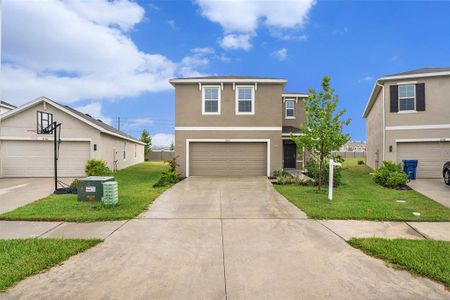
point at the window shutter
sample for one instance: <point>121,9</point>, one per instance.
<point>420,97</point>
<point>394,98</point>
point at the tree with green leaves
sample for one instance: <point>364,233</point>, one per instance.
<point>323,128</point>
<point>147,140</point>
<point>172,146</point>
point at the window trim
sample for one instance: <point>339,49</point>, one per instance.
<point>39,116</point>
<point>400,111</point>
<point>286,109</point>
<point>218,100</point>
<point>237,112</point>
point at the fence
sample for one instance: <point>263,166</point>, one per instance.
<point>161,155</point>
<point>350,154</point>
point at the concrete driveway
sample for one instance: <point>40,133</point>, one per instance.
<point>16,192</point>
<point>225,238</point>
<point>434,189</point>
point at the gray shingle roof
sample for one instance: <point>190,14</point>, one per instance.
<point>6,103</point>
<point>421,71</point>
<point>100,123</point>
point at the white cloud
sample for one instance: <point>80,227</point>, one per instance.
<point>245,16</point>
<point>172,24</point>
<point>281,54</point>
<point>137,123</point>
<point>236,41</point>
<point>198,58</point>
<point>95,110</point>
<point>162,139</point>
<point>366,78</point>
<point>74,50</point>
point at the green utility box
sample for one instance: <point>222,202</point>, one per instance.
<point>91,188</point>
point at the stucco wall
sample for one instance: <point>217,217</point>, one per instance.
<point>437,112</point>
<point>276,145</point>
<point>113,148</point>
<point>374,133</point>
<point>299,113</point>
<point>188,107</point>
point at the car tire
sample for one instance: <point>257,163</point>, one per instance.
<point>447,177</point>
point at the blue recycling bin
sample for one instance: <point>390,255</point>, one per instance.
<point>410,167</point>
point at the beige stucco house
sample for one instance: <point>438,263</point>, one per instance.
<point>27,151</point>
<point>236,125</point>
<point>408,117</point>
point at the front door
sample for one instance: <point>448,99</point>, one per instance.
<point>289,155</point>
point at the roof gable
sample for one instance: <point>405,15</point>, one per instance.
<point>99,125</point>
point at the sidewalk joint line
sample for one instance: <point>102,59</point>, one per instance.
<point>51,229</point>
<point>223,248</point>
<point>117,229</point>
<point>416,230</point>
<point>319,221</point>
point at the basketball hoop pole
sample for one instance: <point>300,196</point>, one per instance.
<point>52,128</point>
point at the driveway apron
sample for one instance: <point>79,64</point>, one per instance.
<point>224,238</point>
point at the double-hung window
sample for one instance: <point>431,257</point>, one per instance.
<point>245,100</point>
<point>290,109</point>
<point>211,100</point>
<point>407,97</point>
<point>44,120</point>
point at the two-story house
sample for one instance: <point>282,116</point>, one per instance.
<point>236,126</point>
<point>408,117</point>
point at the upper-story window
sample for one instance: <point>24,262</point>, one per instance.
<point>406,97</point>
<point>290,109</point>
<point>44,120</point>
<point>245,100</point>
<point>211,100</point>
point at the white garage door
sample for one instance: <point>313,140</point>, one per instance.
<point>228,159</point>
<point>431,157</point>
<point>35,158</point>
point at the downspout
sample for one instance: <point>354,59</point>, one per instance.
<point>384,121</point>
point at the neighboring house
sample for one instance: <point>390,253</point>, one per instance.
<point>236,125</point>
<point>353,146</point>
<point>26,151</point>
<point>5,107</point>
<point>408,117</point>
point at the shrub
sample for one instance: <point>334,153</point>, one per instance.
<point>390,175</point>
<point>167,178</point>
<point>95,167</point>
<point>361,162</point>
<point>173,165</point>
<point>74,185</point>
<point>312,168</point>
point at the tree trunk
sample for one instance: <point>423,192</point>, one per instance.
<point>320,172</point>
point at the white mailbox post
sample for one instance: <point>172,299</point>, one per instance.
<point>330,180</point>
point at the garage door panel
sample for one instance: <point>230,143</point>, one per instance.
<point>228,159</point>
<point>431,157</point>
<point>35,158</point>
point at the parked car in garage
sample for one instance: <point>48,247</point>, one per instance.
<point>446,173</point>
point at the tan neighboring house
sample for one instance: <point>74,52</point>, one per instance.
<point>236,125</point>
<point>408,117</point>
<point>5,107</point>
<point>26,151</point>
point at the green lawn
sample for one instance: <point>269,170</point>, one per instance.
<point>359,198</point>
<point>424,257</point>
<point>136,192</point>
<point>22,258</point>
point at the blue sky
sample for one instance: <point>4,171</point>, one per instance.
<point>113,59</point>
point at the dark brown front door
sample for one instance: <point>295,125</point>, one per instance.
<point>289,155</point>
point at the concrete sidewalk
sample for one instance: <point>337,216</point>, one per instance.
<point>346,229</point>
<point>23,229</point>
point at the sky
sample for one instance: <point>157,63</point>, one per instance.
<point>113,59</point>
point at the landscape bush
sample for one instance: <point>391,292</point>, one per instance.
<point>74,185</point>
<point>95,167</point>
<point>283,178</point>
<point>390,175</point>
<point>361,162</point>
<point>170,176</point>
<point>312,170</point>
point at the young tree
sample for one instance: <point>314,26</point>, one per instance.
<point>172,146</point>
<point>147,140</point>
<point>323,128</point>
